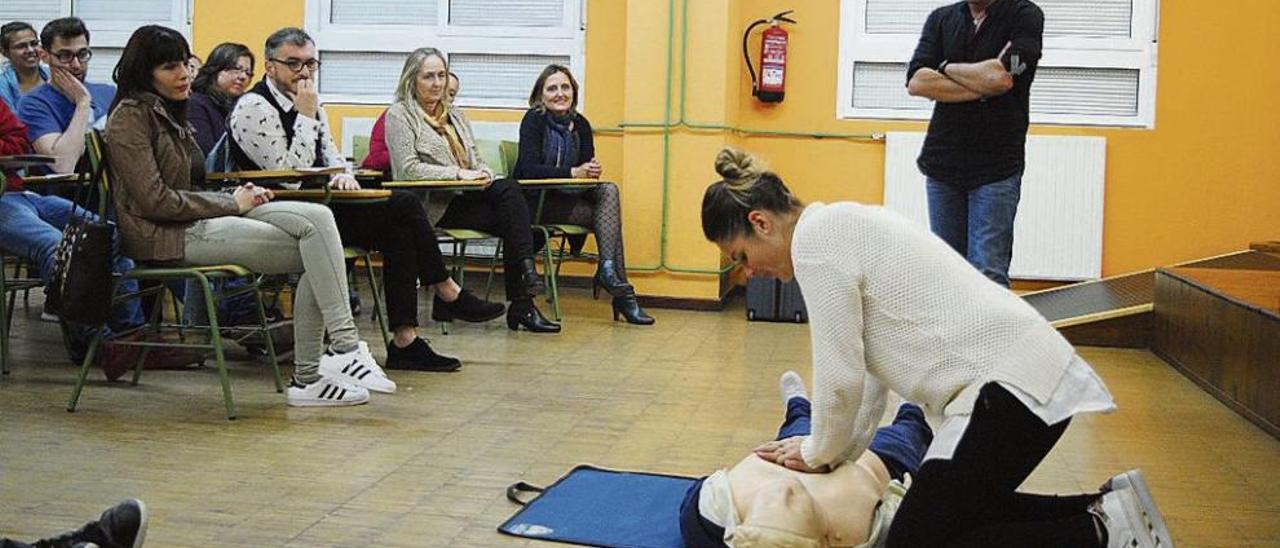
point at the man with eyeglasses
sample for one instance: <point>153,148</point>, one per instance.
<point>59,113</point>
<point>19,44</point>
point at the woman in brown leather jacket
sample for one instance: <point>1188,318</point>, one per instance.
<point>157,165</point>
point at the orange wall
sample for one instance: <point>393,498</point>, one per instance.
<point>1206,180</point>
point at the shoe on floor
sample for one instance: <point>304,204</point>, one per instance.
<point>358,368</point>
<point>419,356</point>
<point>325,393</point>
<point>1133,480</point>
<point>117,359</point>
<point>467,307</point>
<point>1121,516</point>
<point>123,525</point>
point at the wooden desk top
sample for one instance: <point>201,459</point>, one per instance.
<point>293,174</point>
<point>1260,288</point>
<point>20,161</point>
<point>444,184</point>
<point>50,179</point>
<point>318,194</point>
<point>561,182</point>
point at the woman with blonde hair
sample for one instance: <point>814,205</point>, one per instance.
<point>430,140</point>
<point>892,307</point>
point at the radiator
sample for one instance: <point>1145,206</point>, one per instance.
<point>1058,231</point>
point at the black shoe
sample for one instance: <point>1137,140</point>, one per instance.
<point>530,278</point>
<point>121,526</point>
<point>419,356</point>
<point>607,277</point>
<point>629,308</point>
<point>467,307</point>
<point>524,314</point>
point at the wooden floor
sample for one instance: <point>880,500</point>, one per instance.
<point>428,465</point>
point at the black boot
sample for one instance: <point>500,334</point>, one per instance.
<point>121,526</point>
<point>608,278</point>
<point>467,307</point>
<point>529,276</point>
<point>522,313</point>
<point>629,308</point>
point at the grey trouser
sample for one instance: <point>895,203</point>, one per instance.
<point>281,238</point>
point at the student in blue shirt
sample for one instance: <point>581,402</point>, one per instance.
<point>59,113</point>
<point>24,72</point>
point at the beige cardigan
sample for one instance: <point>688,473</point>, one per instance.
<point>418,153</point>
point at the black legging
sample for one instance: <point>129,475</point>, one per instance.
<point>499,209</point>
<point>972,499</point>
<point>598,208</point>
<point>400,229</point>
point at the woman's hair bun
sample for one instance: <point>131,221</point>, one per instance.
<point>738,166</point>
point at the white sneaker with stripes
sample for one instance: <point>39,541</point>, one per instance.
<point>358,368</point>
<point>326,393</point>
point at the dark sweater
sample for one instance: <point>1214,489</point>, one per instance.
<point>532,163</point>
<point>209,120</point>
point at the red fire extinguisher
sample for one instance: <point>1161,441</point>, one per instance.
<point>771,87</point>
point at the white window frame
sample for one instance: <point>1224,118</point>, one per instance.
<point>1138,52</point>
<point>568,40</point>
<point>115,34</point>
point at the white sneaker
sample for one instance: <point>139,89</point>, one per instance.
<point>791,385</point>
<point>1151,518</point>
<point>326,393</point>
<point>357,367</point>
<point>1121,515</point>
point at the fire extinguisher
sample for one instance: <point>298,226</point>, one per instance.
<point>772,84</point>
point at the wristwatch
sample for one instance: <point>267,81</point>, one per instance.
<point>942,69</point>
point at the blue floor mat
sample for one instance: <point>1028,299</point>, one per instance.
<point>597,507</point>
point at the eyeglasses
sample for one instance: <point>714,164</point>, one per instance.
<point>245,71</point>
<point>33,45</point>
<point>65,56</point>
<point>296,65</point>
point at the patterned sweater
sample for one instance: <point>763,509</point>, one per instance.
<point>892,307</point>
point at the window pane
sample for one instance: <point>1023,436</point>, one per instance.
<point>506,13</point>
<point>1079,18</point>
<point>148,11</point>
<point>103,64</point>
<point>31,11</point>
<point>384,12</point>
<point>884,86</point>
<point>499,79</point>
<point>372,74</point>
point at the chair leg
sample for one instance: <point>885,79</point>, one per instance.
<point>4,326</point>
<point>266,336</point>
<point>374,288</point>
<point>84,371</point>
<point>215,339</point>
<point>553,292</point>
<point>157,316</point>
<point>493,267</point>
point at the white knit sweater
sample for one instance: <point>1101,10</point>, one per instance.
<point>891,306</point>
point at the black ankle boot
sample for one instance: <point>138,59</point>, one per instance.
<point>529,276</point>
<point>607,277</point>
<point>629,308</point>
<point>523,313</point>
<point>467,307</point>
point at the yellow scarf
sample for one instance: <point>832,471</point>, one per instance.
<point>439,121</point>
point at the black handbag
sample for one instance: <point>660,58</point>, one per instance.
<point>80,290</point>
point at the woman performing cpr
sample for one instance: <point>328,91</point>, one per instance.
<point>891,307</point>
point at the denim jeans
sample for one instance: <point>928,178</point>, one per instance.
<point>977,223</point>
<point>31,227</point>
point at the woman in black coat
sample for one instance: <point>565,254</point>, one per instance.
<point>556,143</point>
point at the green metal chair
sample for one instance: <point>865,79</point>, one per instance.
<point>11,286</point>
<point>203,276</point>
<point>352,253</point>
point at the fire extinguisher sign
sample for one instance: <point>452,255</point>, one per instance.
<point>772,76</point>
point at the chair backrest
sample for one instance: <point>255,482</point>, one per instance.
<point>491,152</point>
<point>510,155</point>
<point>100,176</point>
<point>359,148</point>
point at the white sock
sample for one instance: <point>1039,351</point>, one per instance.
<point>791,386</point>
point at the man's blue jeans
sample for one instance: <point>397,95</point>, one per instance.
<point>977,223</point>
<point>31,227</point>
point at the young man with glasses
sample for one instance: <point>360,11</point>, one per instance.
<point>20,45</point>
<point>59,113</point>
